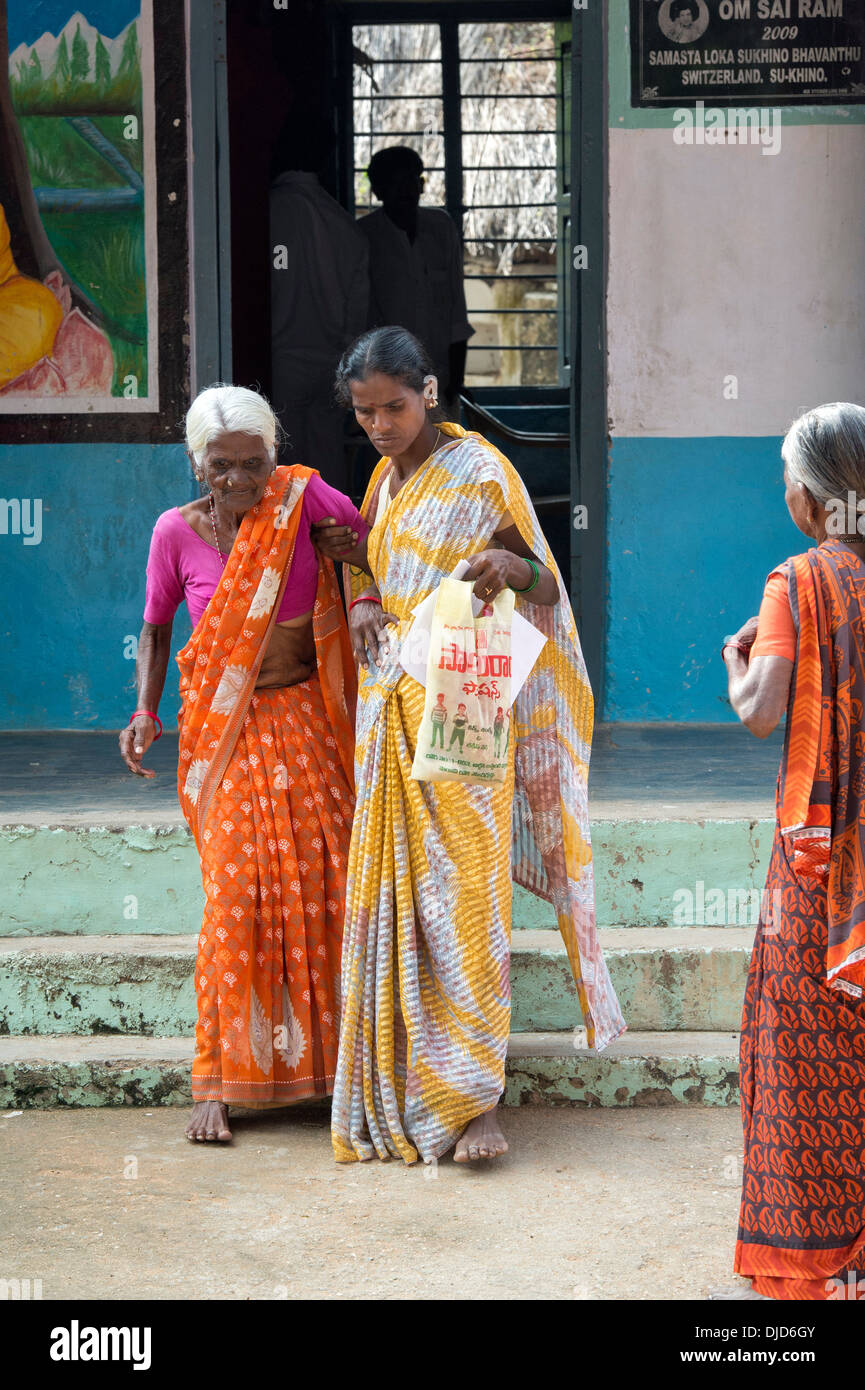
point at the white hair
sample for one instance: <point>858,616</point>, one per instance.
<point>824,451</point>
<point>222,409</point>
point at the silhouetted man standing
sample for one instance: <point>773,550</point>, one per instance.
<point>416,267</point>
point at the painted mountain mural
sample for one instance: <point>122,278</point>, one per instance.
<point>78,70</point>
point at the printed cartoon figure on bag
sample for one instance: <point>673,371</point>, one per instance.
<point>438,719</point>
<point>498,730</point>
<point>459,728</point>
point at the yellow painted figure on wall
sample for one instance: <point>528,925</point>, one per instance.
<point>30,315</point>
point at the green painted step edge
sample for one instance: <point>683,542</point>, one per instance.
<point>542,1070</point>
<point>623,1082</point>
<point>97,881</point>
<point>137,986</point>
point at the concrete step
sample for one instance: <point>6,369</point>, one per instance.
<point>665,980</point>
<point>94,877</point>
<point>543,1069</point>
<point>641,1068</point>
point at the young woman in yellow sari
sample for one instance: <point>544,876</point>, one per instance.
<point>425,967</point>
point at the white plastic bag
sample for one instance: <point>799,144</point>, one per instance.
<point>465,730</point>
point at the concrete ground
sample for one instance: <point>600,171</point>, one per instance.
<point>695,770</point>
<point>590,1204</point>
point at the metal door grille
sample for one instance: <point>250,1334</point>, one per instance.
<point>483,105</point>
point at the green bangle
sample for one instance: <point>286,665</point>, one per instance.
<point>536,573</point>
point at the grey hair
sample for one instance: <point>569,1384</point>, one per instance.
<point>222,409</point>
<point>824,451</point>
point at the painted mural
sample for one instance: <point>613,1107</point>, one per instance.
<point>77,234</point>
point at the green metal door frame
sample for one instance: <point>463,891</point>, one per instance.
<point>588,347</point>
<point>209,195</point>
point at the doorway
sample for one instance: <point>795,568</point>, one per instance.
<point>505,103</point>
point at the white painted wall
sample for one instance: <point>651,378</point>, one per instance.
<point>725,260</point>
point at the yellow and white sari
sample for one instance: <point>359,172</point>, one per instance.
<point>426,946</point>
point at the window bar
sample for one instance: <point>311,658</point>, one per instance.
<point>346,154</point>
<point>374,134</point>
<point>488,169</point>
<point>485,207</point>
<point>543,279</point>
<point>405,62</point>
<point>509,96</point>
<point>370,134</point>
<point>403,96</point>
<point>539,58</point>
<point>464,96</point>
<point>428,168</point>
<point>503,168</point>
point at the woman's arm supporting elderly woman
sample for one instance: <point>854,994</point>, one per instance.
<point>367,622</point>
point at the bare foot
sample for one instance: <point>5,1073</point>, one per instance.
<point>209,1120</point>
<point>482,1138</point>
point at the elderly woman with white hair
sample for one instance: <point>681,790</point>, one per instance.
<point>265,773</point>
<point>802,1061</point>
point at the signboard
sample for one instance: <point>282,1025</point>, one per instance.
<point>747,52</point>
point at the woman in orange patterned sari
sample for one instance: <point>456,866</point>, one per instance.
<point>266,751</point>
<point>802,1222</point>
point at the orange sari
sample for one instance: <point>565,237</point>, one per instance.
<point>802,1057</point>
<point>265,780</point>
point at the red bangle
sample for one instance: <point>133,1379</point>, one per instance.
<point>737,646</point>
<point>364,598</point>
<point>150,715</point>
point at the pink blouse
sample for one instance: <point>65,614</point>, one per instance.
<point>182,565</point>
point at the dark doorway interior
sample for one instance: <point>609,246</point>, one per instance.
<point>278,69</point>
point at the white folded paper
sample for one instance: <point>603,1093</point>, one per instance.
<point>527,642</point>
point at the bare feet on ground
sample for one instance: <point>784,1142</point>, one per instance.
<point>482,1138</point>
<point>209,1120</point>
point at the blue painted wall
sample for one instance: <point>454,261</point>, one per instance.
<point>694,527</point>
<point>70,602</point>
